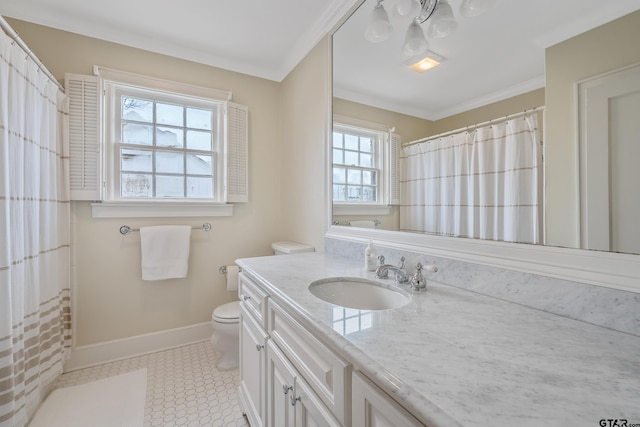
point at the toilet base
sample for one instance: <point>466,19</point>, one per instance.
<point>227,346</point>
<point>227,363</point>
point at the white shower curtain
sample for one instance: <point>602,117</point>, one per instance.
<point>485,184</point>
<point>35,330</point>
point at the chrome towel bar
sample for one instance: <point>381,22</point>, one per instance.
<point>337,222</point>
<point>223,269</point>
<point>125,229</point>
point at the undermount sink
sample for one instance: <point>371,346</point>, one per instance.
<point>359,293</point>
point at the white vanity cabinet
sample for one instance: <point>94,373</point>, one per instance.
<point>289,378</point>
<point>372,407</point>
<point>253,341</point>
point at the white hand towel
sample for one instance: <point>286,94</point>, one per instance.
<point>232,277</point>
<point>165,251</point>
<point>364,224</point>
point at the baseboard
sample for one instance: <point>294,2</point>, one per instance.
<point>110,351</point>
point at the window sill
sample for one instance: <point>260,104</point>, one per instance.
<point>159,209</point>
<point>353,209</point>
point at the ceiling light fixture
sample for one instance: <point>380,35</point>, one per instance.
<point>441,24</point>
<point>427,61</point>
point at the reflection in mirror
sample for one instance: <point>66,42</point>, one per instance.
<point>540,63</point>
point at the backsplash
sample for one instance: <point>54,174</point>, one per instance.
<point>610,308</point>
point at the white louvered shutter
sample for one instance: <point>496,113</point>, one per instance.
<point>237,153</point>
<point>85,148</point>
<point>394,168</point>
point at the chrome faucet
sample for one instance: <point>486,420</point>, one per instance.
<point>382,272</point>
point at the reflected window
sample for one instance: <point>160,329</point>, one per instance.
<point>357,164</point>
<point>349,320</point>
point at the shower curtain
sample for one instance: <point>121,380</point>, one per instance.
<point>483,184</point>
<point>35,329</point>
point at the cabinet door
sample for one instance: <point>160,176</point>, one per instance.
<point>280,381</point>
<point>252,368</point>
<point>371,407</point>
<point>310,411</point>
<point>325,371</point>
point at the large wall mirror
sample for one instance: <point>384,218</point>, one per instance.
<point>514,57</point>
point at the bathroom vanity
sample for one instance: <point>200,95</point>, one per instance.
<point>449,357</point>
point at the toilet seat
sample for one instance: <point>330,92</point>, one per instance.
<point>227,313</point>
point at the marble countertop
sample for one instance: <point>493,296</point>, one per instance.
<point>455,357</point>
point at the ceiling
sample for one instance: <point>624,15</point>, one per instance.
<point>490,57</point>
<point>265,39</point>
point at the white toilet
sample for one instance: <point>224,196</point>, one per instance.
<point>226,318</point>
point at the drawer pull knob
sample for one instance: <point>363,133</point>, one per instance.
<point>246,297</point>
<point>259,347</point>
<point>294,400</point>
<point>286,388</point>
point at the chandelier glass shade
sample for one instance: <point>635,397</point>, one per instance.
<point>439,13</point>
<point>379,28</point>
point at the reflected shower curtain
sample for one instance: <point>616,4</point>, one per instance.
<point>485,184</point>
<point>35,330</point>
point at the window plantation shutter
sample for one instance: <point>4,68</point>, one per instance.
<point>394,168</point>
<point>237,153</point>
<point>85,171</point>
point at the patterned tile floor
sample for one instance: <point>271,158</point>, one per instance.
<point>184,388</point>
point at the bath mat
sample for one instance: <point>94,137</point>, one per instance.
<point>110,402</point>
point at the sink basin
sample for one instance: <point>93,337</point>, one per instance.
<point>359,293</point>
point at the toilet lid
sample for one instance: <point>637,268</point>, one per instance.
<point>227,313</point>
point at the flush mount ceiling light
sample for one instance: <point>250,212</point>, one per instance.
<point>424,62</point>
<point>439,13</point>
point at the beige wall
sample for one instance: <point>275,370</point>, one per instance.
<point>598,51</point>
<point>111,301</point>
<point>492,111</point>
<point>304,125</point>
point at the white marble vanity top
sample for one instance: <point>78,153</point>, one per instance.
<point>455,357</point>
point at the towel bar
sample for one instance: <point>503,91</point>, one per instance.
<point>223,269</point>
<point>336,222</point>
<point>125,229</point>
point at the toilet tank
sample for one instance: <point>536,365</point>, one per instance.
<point>287,248</point>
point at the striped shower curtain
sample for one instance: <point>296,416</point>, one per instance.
<point>35,330</point>
<point>485,184</point>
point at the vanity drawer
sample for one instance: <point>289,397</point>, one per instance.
<point>327,373</point>
<point>254,297</point>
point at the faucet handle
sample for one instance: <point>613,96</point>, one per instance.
<point>431,268</point>
<point>402,263</point>
<point>418,282</point>
<point>381,260</point>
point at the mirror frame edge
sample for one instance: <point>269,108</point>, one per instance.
<point>606,269</point>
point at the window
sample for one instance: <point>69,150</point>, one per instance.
<point>163,146</point>
<point>365,167</point>
<point>146,147</point>
<point>356,165</point>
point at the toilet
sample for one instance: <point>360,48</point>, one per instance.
<point>226,318</point>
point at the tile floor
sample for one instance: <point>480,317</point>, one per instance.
<point>184,388</point>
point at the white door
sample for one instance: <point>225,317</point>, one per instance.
<point>609,128</point>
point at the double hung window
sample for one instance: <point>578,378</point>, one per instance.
<point>357,165</point>
<point>164,146</point>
